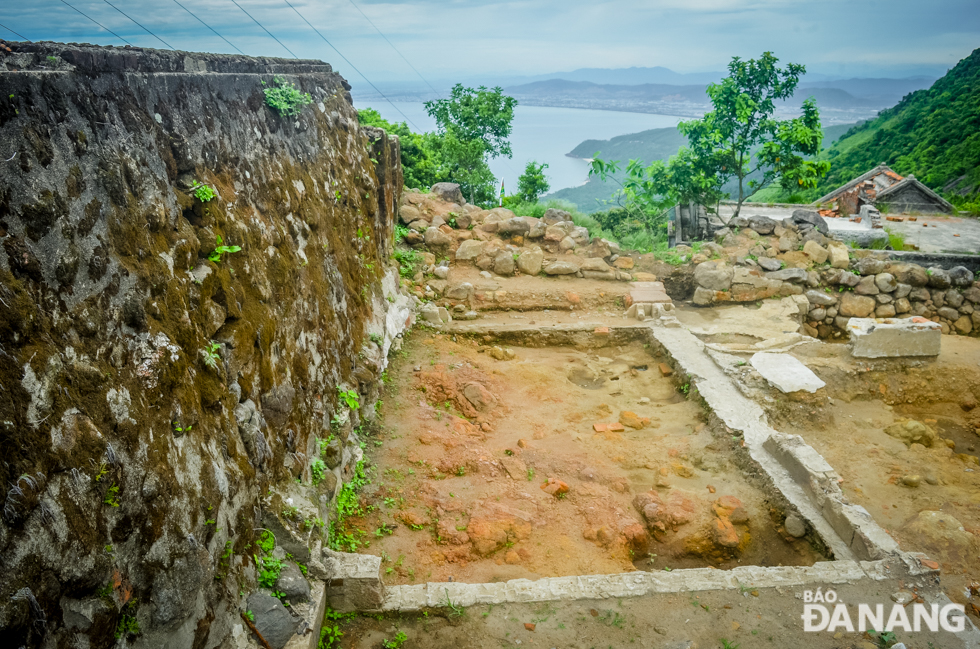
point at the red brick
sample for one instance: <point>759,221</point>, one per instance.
<point>665,369</point>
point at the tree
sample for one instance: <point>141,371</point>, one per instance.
<point>722,142</point>
<point>474,125</point>
<point>532,183</point>
<point>422,163</point>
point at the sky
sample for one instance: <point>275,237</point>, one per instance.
<point>469,40</point>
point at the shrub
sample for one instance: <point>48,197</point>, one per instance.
<point>285,98</point>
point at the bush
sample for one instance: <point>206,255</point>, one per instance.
<point>285,99</point>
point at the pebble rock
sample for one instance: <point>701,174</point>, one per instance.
<point>902,597</point>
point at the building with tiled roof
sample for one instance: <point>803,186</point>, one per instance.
<point>883,188</point>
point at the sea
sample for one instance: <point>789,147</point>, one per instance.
<point>542,134</point>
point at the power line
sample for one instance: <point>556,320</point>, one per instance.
<point>264,29</point>
<point>209,27</point>
<point>98,23</point>
<point>139,25</point>
<point>417,129</point>
<point>16,34</point>
<point>394,48</point>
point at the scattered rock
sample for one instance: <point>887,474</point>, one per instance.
<point>903,597</point>
<point>807,219</point>
<point>714,275</point>
<point>504,263</point>
<point>555,487</point>
<point>436,238</point>
<point>293,584</point>
<point>469,250</point>
<point>762,224</point>
<point>795,526</point>
<point>514,467</point>
<point>815,251</point>
<point>911,480</point>
<point>530,261</point>
<point>529,625</point>
<point>769,264</point>
<point>481,398</point>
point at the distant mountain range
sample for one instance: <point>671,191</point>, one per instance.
<point>842,101</point>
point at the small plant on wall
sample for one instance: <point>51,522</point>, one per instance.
<point>285,98</point>
<point>203,193</point>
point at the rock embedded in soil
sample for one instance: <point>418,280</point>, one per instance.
<point>555,487</point>
<point>293,584</point>
<point>911,432</point>
<point>795,526</point>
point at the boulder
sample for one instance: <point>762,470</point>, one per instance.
<point>762,224</point>
<point>553,216</point>
<point>599,248</point>
<point>504,263</point>
<point>594,264</point>
<point>954,298</point>
<point>869,266</point>
<point>839,256</point>
<point>795,526</point>
<point>510,227</point>
<point>788,275</point>
<point>530,261</point>
<point>436,238</point>
<point>847,278</point>
<point>867,286</point>
<point>568,243</point>
<point>941,536</point>
<point>807,219</point>
<point>293,584</point>
<point>537,230</point>
<point>960,276</point>
<point>910,274</point>
<point>272,620</point>
<point>815,251</point>
<point>448,192</point>
<point>408,214</point>
<point>714,275</point>
<point>555,233</point>
<point>767,263</point>
<point>469,250</point>
<point>856,306</point>
<point>461,291</point>
<point>561,267</point>
<point>886,282</point>
<point>939,278</point>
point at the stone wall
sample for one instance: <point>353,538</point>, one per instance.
<point>768,259</point>
<point>160,402</point>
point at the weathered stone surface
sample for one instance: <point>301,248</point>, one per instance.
<point>568,243</point>
<point>856,306</point>
<point>948,313</point>
<point>816,252</point>
<point>885,311</point>
<point>902,305</point>
<point>461,291</point>
<point>894,337</point>
<point>355,581</point>
<point>869,266</point>
<point>408,214</point>
<point>963,325</point>
<point>785,372</point>
<point>530,261</point>
<point>942,537</point>
<point>504,263</point>
<point>953,298</point>
<point>478,395</point>
<point>561,267</point>
<point>470,250</point>
<point>714,275</point>
<point>594,264</point>
<point>599,248</point>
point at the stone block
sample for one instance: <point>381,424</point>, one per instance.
<point>354,582</point>
<point>785,372</point>
<point>894,337</point>
<point>815,251</point>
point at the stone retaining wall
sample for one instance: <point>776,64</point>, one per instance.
<point>784,259</point>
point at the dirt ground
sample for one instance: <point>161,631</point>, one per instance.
<point>926,497</point>
<point>459,493</point>
<point>752,619</point>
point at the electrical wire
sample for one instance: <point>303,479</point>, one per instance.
<point>138,24</point>
<point>209,27</point>
<point>16,34</point>
<point>97,23</point>
<point>363,76</point>
<point>397,51</point>
<point>264,29</point>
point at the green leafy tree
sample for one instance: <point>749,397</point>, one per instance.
<point>723,141</point>
<point>532,183</point>
<point>474,125</point>
<point>421,153</point>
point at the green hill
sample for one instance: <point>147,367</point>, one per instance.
<point>932,133</point>
<point>655,144</point>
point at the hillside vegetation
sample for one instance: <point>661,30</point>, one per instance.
<point>932,133</point>
<point>655,144</point>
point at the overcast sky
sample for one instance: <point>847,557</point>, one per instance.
<point>460,39</point>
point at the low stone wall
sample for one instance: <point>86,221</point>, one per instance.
<point>840,283</point>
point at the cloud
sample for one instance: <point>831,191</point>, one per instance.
<point>463,39</point>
